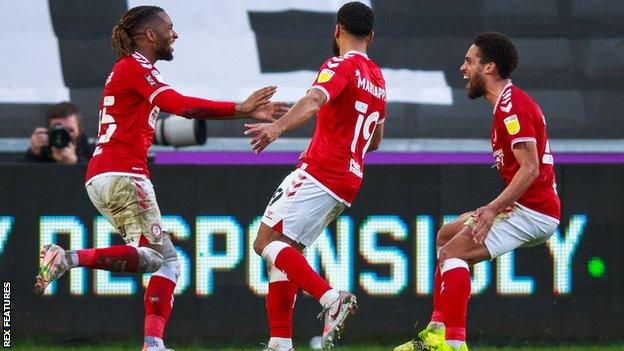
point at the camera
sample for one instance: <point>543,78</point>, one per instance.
<point>59,136</point>
<point>178,131</point>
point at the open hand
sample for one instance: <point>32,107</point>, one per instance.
<point>485,216</point>
<point>263,135</point>
<point>256,104</point>
<point>270,111</point>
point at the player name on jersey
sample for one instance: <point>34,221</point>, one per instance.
<point>356,104</point>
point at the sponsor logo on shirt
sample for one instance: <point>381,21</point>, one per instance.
<point>355,168</point>
<point>153,116</point>
<point>109,100</point>
<point>512,124</point>
<point>150,80</point>
<point>325,75</point>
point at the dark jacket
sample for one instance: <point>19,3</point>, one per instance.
<point>84,150</point>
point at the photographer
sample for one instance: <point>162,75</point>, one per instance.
<point>63,140</point>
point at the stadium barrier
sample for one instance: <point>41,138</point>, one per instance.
<point>382,248</point>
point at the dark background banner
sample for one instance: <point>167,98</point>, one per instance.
<point>571,58</point>
<point>385,246</point>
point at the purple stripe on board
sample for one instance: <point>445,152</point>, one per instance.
<point>291,158</point>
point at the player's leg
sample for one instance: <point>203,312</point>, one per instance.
<point>282,292</point>
<point>286,257</point>
<point>121,200</point>
<point>434,333</point>
<point>455,258</point>
<point>139,222</point>
<point>158,299</point>
<point>510,230</point>
<point>295,216</point>
<point>337,305</point>
<point>280,303</point>
<point>445,234</point>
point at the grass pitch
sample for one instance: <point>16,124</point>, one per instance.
<point>126,347</point>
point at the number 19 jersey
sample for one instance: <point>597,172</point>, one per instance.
<point>127,119</point>
<point>356,104</point>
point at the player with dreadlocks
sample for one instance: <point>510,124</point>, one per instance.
<point>118,179</point>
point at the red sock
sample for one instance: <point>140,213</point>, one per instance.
<point>279,304</point>
<point>158,304</point>
<point>298,271</point>
<point>438,314</point>
<point>455,297</point>
<point>115,258</point>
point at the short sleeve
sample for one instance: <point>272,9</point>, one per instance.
<point>520,127</point>
<point>332,77</point>
<point>145,79</point>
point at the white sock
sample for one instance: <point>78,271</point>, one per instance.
<point>456,344</point>
<point>280,344</point>
<point>152,343</point>
<point>330,297</point>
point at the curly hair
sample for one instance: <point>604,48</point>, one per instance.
<point>356,18</point>
<point>496,47</point>
<point>128,26</point>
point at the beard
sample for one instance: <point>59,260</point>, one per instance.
<point>164,51</point>
<point>477,88</point>
<point>335,48</point>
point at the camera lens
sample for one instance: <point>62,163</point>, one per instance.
<point>59,136</point>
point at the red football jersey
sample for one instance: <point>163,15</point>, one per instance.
<point>356,103</point>
<point>517,118</point>
<point>127,118</point>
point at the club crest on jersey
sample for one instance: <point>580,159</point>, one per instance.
<point>325,75</point>
<point>150,80</point>
<point>156,230</point>
<point>512,124</point>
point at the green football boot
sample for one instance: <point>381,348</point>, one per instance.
<point>428,339</point>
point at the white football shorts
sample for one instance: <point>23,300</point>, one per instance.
<point>522,227</point>
<point>301,209</point>
<point>129,204</point>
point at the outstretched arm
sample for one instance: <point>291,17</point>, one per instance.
<point>265,133</point>
<point>257,106</point>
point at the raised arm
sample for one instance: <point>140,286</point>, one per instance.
<point>257,106</point>
<point>300,112</point>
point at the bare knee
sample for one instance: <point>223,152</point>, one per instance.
<point>150,259</point>
<point>265,235</point>
<point>259,245</point>
<point>445,253</point>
